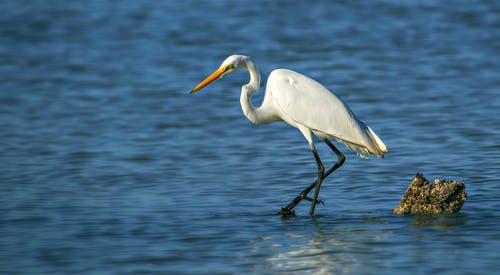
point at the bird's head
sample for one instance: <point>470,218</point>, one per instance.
<point>231,64</point>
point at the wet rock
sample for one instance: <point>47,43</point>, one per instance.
<point>422,197</point>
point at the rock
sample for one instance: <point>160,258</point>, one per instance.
<point>422,197</point>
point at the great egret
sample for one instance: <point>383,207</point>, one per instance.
<point>306,105</point>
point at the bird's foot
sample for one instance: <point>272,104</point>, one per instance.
<point>286,212</point>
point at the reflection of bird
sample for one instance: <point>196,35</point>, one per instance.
<point>304,104</point>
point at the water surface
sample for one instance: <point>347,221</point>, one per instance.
<point>109,166</point>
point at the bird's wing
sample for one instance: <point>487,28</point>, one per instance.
<point>302,100</point>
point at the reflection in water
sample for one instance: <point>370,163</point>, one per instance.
<point>317,255</point>
<point>331,246</point>
<point>440,222</point>
<point>368,244</point>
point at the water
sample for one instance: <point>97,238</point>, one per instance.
<point>108,166</point>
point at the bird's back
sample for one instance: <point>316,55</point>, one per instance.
<point>301,100</point>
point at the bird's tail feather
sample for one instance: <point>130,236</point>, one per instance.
<point>379,144</point>
<point>375,145</point>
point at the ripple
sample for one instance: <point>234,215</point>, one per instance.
<point>109,166</point>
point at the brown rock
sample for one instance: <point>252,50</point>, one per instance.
<point>422,197</point>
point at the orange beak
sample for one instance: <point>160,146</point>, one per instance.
<point>211,78</point>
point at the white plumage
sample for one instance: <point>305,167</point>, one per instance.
<point>300,100</point>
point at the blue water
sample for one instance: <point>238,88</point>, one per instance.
<point>109,166</point>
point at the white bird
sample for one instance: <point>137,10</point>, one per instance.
<point>306,105</point>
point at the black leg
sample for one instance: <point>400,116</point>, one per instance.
<point>288,210</point>
<point>321,175</point>
<point>340,161</point>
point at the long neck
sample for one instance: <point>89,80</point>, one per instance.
<point>257,115</point>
